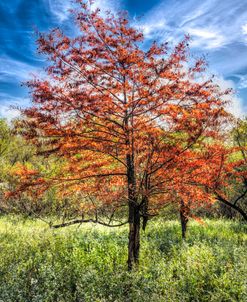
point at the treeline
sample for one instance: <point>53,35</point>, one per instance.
<point>15,153</point>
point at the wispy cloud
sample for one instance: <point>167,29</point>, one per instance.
<point>11,69</point>
<point>241,80</point>
<point>9,106</point>
<point>244,29</point>
<point>206,38</point>
<point>105,5</point>
<point>211,23</point>
<point>59,8</point>
<point>153,30</point>
<point>236,105</point>
<point>217,28</point>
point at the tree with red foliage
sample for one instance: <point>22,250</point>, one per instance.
<point>225,175</point>
<point>214,172</point>
<point>189,178</point>
<point>119,116</point>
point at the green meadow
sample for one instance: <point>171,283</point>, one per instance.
<point>88,263</point>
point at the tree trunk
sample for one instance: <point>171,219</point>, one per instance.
<point>134,214</point>
<point>184,212</point>
<point>134,236</point>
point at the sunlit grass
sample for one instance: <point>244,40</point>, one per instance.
<point>89,263</point>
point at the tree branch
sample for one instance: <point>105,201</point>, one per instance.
<point>65,224</point>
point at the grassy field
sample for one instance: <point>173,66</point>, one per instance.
<point>89,263</point>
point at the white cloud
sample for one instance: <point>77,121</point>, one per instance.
<point>206,38</point>
<point>105,5</point>
<point>244,29</point>
<point>9,106</point>
<point>212,24</point>
<point>153,30</point>
<point>243,83</point>
<point>236,105</point>
<point>14,69</point>
<point>8,113</point>
<point>242,80</point>
<point>59,8</point>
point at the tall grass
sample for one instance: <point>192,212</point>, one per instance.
<point>89,263</point>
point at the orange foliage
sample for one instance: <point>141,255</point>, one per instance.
<point>126,120</point>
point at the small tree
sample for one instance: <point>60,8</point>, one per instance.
<point>228,177</point>
<point>219,174</point>
<point>119,116</point>
<point>189,179</point>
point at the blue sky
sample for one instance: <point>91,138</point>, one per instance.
<point>218,29</point>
